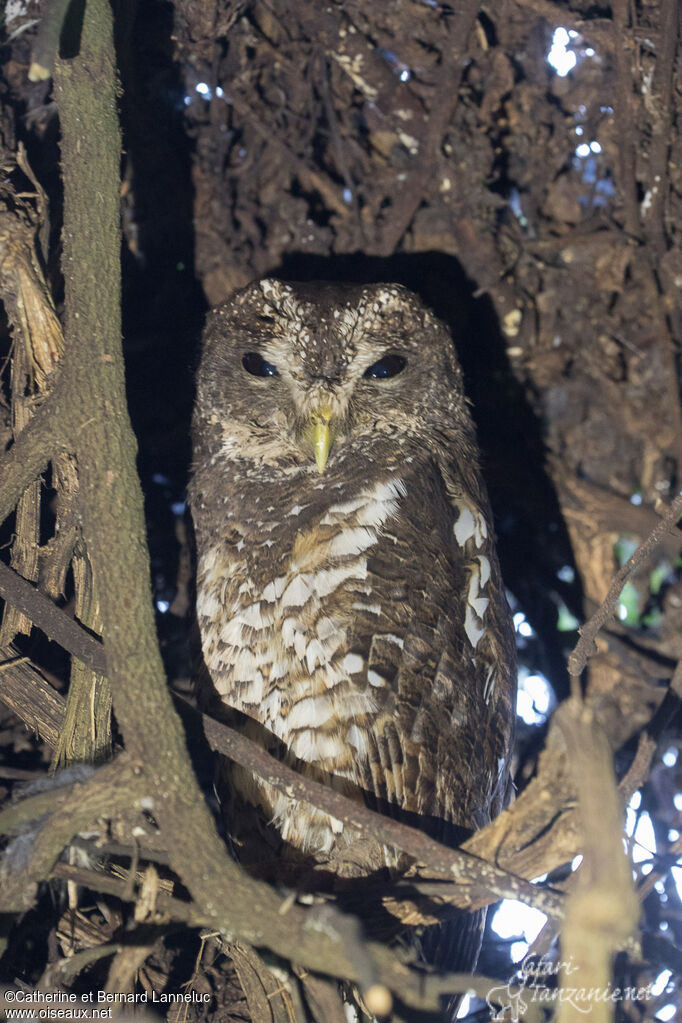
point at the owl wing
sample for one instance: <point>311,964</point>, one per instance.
<point>443,644</point>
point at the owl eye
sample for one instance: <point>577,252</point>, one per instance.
<point>256,365</point>
<point>387,367</point>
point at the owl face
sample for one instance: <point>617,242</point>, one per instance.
<point>302,377</point>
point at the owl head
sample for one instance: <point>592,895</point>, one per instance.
<point>304,377</point>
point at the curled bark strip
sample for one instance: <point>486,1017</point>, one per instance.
<point>27,299</point>
<point>24,690</point>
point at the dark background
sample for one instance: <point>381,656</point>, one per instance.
<point>251,149</point>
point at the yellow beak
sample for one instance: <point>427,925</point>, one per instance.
<point>322,436</point>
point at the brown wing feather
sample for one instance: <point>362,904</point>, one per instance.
<point>443,735</point>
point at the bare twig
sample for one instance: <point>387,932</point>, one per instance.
<point>662,865</point>
<point>609,510</point>
<point>662,138</point>
<point>70,808</point>
<point>51,619</point>
<point>648,740</point>
<point>622,103</point>
<point>410,196</point>
<point>584,648</point>
<point>98,881</point>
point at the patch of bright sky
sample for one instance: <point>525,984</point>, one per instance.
<point>639,827</point>
<point>513,919</point>
<point>566,622</point>
<point>517,208</point>
<point>585,148</point>
<point>629,608</point>
<point>670,756</point>
<point>400,69</point>
<point>630,813</point>
<point>464,1007</point>
<point>666,1013</point>
<point>559,57</point>
<point>661,982</point>
<point>521,625</point>
<point>533,697</point>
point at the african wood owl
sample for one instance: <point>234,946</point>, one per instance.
<point>348,590</point>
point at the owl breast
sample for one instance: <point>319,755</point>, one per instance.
<point>349,595</point>
<point>278,606</point>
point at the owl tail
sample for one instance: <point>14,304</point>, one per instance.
<point>453,947</point>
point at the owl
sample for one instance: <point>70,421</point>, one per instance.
<point>349,598</point>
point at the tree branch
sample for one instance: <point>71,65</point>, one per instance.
<point>477,882</point>
<point>51,619</point>
<point>406,203</point>
<point>602,911</point>
<point>72,808</point>
<point>584,648</point>
<point>30,453</point>
<point>114,527</point>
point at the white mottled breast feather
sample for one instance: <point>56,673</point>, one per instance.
<point>281,655</point>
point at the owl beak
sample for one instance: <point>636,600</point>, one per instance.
<point>322,431</point>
